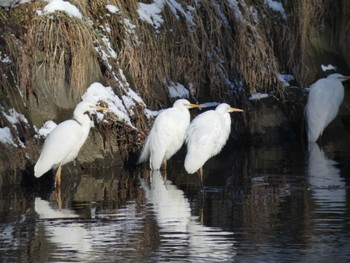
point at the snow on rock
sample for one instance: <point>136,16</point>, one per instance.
<point>151,13</point>
<point>177,90</point>
<point>258,96</point>
<point>151,114</point>
<point>175,8</point>
<point>112,9</point>
<point>328,67</point>
<point>277,7</point>
<point>47,127</point>
<point>97,92</point>
<point>11,3</point>
<point>285,79</point>
<point>6,137</point>
<point>14,117</point>
<point>210,104</point>
<point>60,5</point>
<point>4,58</point>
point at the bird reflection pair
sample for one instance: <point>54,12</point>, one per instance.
<point>205,136</point>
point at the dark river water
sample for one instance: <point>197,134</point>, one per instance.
<point>281,203</point>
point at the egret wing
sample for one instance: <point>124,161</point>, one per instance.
<point>64,141</point>
<point>204,139</point>
<point>317,109</point>
<point>166,136</point>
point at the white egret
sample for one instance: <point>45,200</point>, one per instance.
<point>206,136</point>
<point>63,144</point>
<point>325,97</point>
<point>167,134</point>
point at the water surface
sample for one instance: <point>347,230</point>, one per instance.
<point>284,203</point>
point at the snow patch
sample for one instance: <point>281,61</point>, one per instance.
<point>328,67</point>
<point>47,127</point>
<point>258,96</point>
<point>97,92</point>
<point>112,9</point>
<point>4,58</point>
<point>60,5</point>
<point>285,79</point>
<point>277,7</point>
<point>14,117</point>
<point>210,104</point>
<point>6,136</point>
<point>177,90</point>
<point>151,13</point>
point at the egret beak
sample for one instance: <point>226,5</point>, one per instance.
<point>190,106</point>
<point>99,108</point>
<point>235,110</point>
<point>343,78</point>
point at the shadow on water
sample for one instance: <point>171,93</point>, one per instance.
<point>278,203</point>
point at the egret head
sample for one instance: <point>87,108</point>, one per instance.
<point>84,107</point>
<point>337,76</point>
<point>224,108</point>
<point>185,103</point>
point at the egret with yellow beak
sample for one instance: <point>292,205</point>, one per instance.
<point>325,97</point>
<point>206,136</point>
<point>63,143</point>
<point>167,134</point>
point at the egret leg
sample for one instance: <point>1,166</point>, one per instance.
<point>58,175</point>
<point>163,166</point>
<point>58,197</point>
<point>200,173</point>
<point>164,176</point>
<point>201,211</point>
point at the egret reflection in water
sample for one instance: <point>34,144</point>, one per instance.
<point>84,239</point>
<point>65,233</point>
<point>181,235</point>
<point>328,187</point>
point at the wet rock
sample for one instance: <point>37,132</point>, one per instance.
<point>272,120</point>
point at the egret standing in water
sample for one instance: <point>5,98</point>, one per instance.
<point>63,144</point>
<point>325,97</point>
<point>206,136</point>
<point>167,134</point>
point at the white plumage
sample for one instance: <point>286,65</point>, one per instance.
<point>325,97</point>
<point>207,135</point>
<point>167,134</point>
<point>63,144</point>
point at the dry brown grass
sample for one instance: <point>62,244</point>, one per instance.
<point>212,55</point>
<point>65,46</point>
<point>307,18</point>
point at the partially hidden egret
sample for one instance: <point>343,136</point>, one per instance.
<point>206,136</point>
<point>325,97</point>
<point>167,134</point>
<point>63,144</point>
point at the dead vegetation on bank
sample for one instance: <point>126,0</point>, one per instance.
<point>225,50</point>
<point>225,54</point>
<point>65,47</point>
